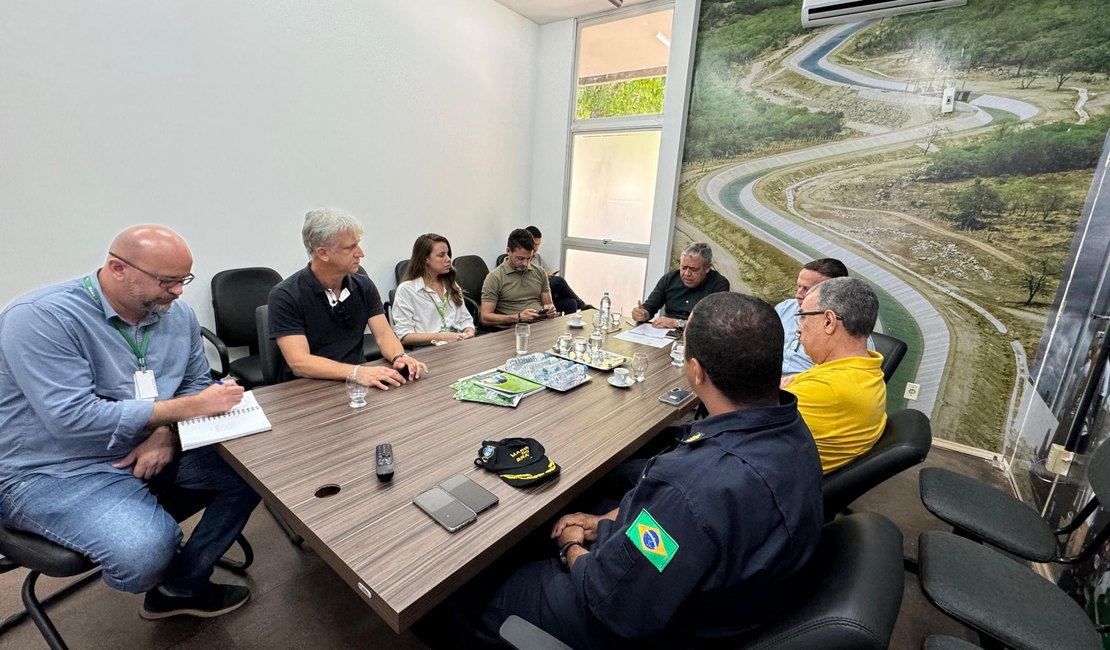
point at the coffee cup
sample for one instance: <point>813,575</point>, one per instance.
<point>575,320</point>
<point>620,375</point>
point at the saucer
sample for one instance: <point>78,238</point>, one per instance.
<point>613,382</point>
<point>578,326</point>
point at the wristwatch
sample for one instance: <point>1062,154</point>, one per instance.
<point>682,322</point>
<point>563,552</point>
<point>395,358</point>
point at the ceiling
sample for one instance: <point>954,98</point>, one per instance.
<point>547,11</point>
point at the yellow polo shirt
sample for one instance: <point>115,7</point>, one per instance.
<point>844,404</point>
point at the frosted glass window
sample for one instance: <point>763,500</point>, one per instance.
<point>612,186</point>
<point>590,273</point>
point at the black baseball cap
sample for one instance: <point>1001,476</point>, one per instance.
<point>518,461</point>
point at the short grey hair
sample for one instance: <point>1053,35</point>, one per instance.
<point>853,300</point>
<point>323,226</point>
<point>699,249</point>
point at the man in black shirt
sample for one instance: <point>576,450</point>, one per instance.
<point>318,314</point>
<point>678,291</point>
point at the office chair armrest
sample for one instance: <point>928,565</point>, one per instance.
<point>522,635</point>
<point>221,349</point>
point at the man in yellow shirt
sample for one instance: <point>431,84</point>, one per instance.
<point>843,397</point>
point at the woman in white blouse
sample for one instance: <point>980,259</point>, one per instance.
<point>428,306</point>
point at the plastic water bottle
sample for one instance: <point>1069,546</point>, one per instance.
<point>605,307</point>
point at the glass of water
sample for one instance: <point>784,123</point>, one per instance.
<point>523,330</point>
<point>678,354</point>
<point>564,343</point>
<point>356,390</point>
<point>580,344</point>
<point>639,366</point>
<point>596,341</point>
<point>617,317</point>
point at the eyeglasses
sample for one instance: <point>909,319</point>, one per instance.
<point>344,316</point>
<point>164,282</point>
<point>802,314</point>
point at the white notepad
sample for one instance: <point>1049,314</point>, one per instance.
<point>243,420</point>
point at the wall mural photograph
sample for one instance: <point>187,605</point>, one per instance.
<point>950,158</point>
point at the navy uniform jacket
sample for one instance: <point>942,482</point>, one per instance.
<point>703,543</point>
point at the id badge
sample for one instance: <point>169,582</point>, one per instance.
<point>145,386</point>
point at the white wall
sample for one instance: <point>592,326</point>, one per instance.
<point>228,120</point>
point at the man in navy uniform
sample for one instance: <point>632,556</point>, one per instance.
<point>701,547</point>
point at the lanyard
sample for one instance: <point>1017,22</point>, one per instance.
<point>440,307</point>
<point>139,349</point>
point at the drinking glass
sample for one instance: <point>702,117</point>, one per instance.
<point>522,332</point>
<point>579,347</point>
<point>639,366</point>
<point>617,317</point>
<point>678,354</point>
<point>356,390</point>
<point>564,343</point>
<point>596,341</point>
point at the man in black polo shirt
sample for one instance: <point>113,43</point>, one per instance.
<point>318,314</point>
<point>678,291</point>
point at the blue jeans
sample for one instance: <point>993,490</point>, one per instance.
<point>113,518</point>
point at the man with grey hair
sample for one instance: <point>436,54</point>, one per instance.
<point>318,314</point>
<point>678,291</point>
<point>843,397</point>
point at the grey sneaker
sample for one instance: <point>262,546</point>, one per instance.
<point>213,600</point>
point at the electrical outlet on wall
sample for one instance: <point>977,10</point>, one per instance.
<point>912,390</point>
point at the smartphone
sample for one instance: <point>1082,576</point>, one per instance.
<point>676,396</point>
<point>404,370</point>
<point>544,313</point>
<point>473,496</point>
<point>448,511</point>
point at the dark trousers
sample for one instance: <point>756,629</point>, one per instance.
<point>564,297</point>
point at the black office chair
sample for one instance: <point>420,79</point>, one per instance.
<point>269,355</point>
<point>501,258</point>
<point>221,352</point>
<point>1007,603</point>
<point>905,442</point>
<point>399,270</point>
<point>41,556</point>
<point>943,642</point>
<point>471,272</point>
<point>848,596</point>
<point>370,349</point>
<point>892,350</point>
<point>235,295</point>
<point>983,513</point>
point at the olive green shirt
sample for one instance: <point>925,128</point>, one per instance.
<point>511,292</point>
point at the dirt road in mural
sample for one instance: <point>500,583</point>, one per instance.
<point>952,293</point>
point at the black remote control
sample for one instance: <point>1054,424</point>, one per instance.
<point>384,460</point>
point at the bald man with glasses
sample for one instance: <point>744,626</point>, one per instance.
<point>95,373</point>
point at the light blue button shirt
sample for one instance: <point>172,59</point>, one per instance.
<point>67,396</point>
<point>794,357</point>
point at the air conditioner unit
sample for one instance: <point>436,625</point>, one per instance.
<point>828,12</point>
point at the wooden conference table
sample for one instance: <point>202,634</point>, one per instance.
<point>396,557</point>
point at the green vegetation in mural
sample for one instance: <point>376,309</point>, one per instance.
<point>725,120</point>
<point>1029,37</point>
<point>620,98</point>
<point>1042,149</point>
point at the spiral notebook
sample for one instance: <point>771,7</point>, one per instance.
<point>243,420</point>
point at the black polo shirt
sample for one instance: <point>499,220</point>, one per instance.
<point>678,299</point>
<point>298,305</point>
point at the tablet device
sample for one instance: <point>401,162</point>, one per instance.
<point>473,496</point>
<point>448,511</point>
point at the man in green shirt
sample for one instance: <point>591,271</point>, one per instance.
<point>516,291</point>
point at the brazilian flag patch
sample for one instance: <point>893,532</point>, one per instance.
<point>654,542</point>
